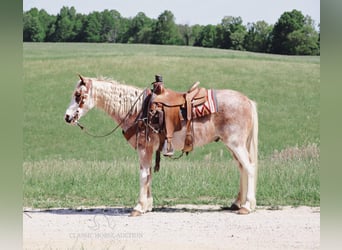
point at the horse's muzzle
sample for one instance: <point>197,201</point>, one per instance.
<point>67,118</point>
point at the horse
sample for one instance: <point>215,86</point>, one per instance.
<point>235,124</point>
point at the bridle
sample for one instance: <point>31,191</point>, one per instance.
<point>81,102</point>
<point>80,99</point>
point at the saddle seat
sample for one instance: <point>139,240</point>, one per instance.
<point>172,98</point>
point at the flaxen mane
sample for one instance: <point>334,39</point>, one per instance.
<point>112,96</point>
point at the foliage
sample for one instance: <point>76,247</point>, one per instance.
<point>258,37</point>
<point>67,26</point>
<point>140,29</point>
<point>165,30</point>
<point>38,25</point>
<point>92,27</point>
<point>232,33</point>
<point>293,34</point>
<point>304,41</point>
<point>109,25</point>
<point>206,37</point>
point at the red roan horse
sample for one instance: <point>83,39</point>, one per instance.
<point>235,124</point>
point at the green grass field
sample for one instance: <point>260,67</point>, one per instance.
<point>64,167</point>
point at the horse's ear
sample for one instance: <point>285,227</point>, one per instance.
<point>82,79</point>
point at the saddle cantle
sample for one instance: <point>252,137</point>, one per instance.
<point>172,98</point>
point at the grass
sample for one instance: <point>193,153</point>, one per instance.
<point>64,167</point>
<point>285,179</point>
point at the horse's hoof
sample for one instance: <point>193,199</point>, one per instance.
<point>243,211</point>
<point>234,207</point>
<point>135,213</point>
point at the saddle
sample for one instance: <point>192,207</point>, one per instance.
<point>164,112</point>
<point>171,105</point>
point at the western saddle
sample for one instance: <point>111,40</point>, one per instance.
<point>163,111</point>
<point>169,108</point>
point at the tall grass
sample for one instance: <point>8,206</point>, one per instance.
<point>64,167</point>
<point>286,180</point>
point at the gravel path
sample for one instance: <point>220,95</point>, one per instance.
<point>178,227</point>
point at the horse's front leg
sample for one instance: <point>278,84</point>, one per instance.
<point>145,202</point>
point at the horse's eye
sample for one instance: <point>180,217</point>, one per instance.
<point>77,97</point>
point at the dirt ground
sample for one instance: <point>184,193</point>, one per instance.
<point>178,227</point>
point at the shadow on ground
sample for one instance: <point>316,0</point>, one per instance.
<point>120,211</point>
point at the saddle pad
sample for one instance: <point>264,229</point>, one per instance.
<point>207,108</point>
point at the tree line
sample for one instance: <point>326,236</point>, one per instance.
<point>292,34</point>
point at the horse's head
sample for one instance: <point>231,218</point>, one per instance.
<point>81,101</point>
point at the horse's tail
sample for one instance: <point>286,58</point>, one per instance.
<point>253,141</point>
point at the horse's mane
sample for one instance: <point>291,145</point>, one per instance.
<point>116,97</point>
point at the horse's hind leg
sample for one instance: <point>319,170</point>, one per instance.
<point>145,202</point>
<point>237,203</point>
<point>242,187</point>
<point>246,197</point>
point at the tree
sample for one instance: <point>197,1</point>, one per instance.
<point>140,29</point>
<point>124,25</point>
<point>186,33</point>
<point>237,38</point>
<point>304,41</point>
<point>93,27</point>
<point>110,25</point>
<point>319,38</point>
<point>195,32</point>
<point>165,30</point>
<point>293,34</point>
<point>66,29</point>
<point>286,24</point>
<point>258,37</point>
<point>33,30</point>
<point>206,37</point>
<point>79,23</point>
<point>231,33</point>
<point>47,21</point>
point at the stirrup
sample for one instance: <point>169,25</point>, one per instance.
<point>188,145</point>
<point>167,151</point>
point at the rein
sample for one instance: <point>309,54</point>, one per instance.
<point>118,126</point>
<point>98,136</point>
